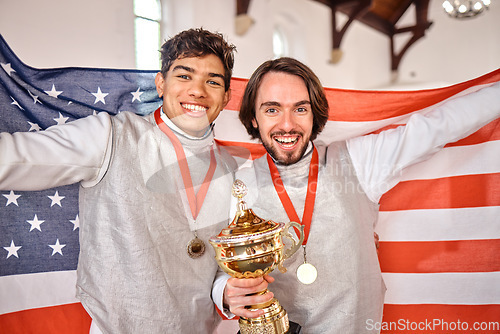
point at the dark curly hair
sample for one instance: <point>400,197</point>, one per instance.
<point>196,43</point>
<point>319,103</point>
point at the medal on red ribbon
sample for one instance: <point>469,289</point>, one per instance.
<point>196,247</point>
<point>306,272</point>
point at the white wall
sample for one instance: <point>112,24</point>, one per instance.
<point>99,33</point>
<point>59,33</point>
<point>455,50</point>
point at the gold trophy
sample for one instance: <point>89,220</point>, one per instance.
<point>251,247</point>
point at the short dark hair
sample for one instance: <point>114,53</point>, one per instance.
<point>197,43</point>
<point>319,103</point>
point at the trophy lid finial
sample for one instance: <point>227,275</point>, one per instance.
<point>239,190</point>
<point>246,224</point>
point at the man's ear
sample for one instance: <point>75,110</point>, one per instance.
<point>254,123</point>
<point>227,98</point>
<point>159,81</point>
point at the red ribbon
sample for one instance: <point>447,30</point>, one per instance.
<point>312,184</point>
<point>195,201</point>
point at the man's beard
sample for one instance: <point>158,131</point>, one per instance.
<point>290,157</point>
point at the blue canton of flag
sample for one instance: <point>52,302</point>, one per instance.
<point>39,230</point>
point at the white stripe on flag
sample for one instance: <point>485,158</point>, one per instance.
<point>21,292</point>
<point>457,160</point>
<point>443,288</point>
<point>439,224</point>
<point>228,127</point>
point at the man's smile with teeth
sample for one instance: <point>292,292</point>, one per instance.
<point>286,141</point>
<point>194,107</point>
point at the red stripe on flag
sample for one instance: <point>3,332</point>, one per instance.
<point>463,191</point>
<point>67,319</point>
<point>440,256</point>
<point>489,132</point>
<point>349,105</point>
<point>443,319</point>
<point>243,150</point>
<point>364,106</point>
<point>237,89</point>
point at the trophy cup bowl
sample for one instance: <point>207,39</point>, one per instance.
<point>251,247</point>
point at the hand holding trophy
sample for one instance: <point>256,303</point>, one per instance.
<point>251,247</point>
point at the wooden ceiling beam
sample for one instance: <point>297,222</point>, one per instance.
<point>381,15</point>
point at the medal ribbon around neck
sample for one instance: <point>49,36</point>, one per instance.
<point>312,184</point>
<point>195,202</point>
<point>195,247</point>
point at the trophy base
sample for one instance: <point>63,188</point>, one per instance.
<point>294,329</point>
<point>274,321</point>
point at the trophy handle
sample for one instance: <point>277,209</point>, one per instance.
<point>295,244</point>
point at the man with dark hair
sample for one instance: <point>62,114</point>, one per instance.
<point>318,101</point>
<point>334,285</point>
<point>153,189</point>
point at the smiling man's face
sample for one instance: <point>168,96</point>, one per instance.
<point>283,116</point>
<point>193,92</point>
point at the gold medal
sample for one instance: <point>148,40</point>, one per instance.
<point>196,248</point>
<point>307,273</point>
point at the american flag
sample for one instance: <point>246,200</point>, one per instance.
<point>439,228</point>
<point>39,230</point>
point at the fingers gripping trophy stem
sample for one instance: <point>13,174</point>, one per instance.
<point>260,305</point>
<point>251,247</point>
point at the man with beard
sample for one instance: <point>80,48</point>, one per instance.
<point>334,284</point>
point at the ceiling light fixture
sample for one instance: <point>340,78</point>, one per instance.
<point>461,9</point>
